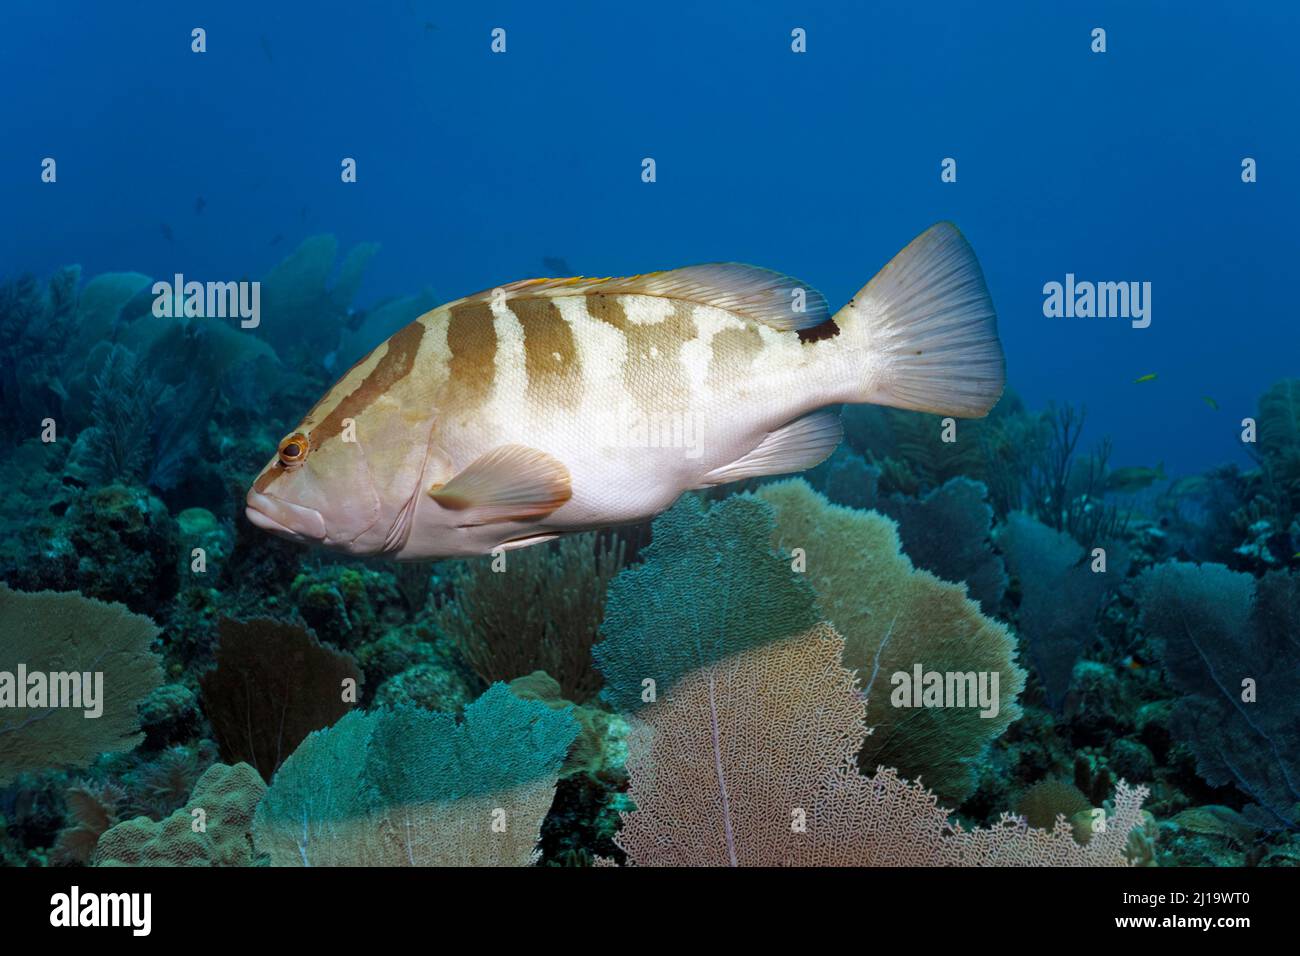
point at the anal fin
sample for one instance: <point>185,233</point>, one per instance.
<point>508,483</point>
<point>795,446</point>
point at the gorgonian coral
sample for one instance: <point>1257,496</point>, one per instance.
<point>61,640</point>
<point>412,787</point>
<point>710,584</point>
<point>1231,644</point>
<point>542,612</point>
<point>752,761</point>
<point>274,683</point>
<point>895,618</point>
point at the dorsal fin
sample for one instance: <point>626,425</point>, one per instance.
<point>767,297</point>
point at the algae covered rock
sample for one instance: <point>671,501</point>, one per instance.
<point>348,606</point>
<point>117,542</point>
<point>428,685</point>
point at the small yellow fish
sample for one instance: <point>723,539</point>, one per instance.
<point>1149,377</point>
<point>1211,402</point>
<point>552,406</point>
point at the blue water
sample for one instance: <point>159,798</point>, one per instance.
<point>474,166</point>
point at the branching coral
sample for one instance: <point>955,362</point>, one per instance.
<point>118,446</point>
<point>752,761</point>
<point>411,787</point>
<point>541,613</point>
<point>59,638</point>
<point>890,434</point>
<point>1067,490</point>
<point>896,618</point>
<point>36,326</point>
<point>274,684</point>
<point>1231,644</point>
<point>1279,449</point>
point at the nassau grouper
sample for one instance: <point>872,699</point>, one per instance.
<point>551,406</point>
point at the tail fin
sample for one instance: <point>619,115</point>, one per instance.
<point>927,327</point>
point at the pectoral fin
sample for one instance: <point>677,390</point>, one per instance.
<point>509,483</point>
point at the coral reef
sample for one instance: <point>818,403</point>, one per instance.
<point>273,685</point>
<point>894,619</point>
<point>752,762</point>
<point>536,609</point>
<point>411,787</point>
<point>1231,644</point>
<point>64,657</point>
<point>639,661</point>
<point>212,829</point>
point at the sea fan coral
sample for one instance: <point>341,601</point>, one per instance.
<point>1231,644</point>
<point>752,761</point>
<point>1060,597</point>
<point>301,314</point>
<point>947,533</point>
<point>894,619</point>
<point>274,683</point>
<point>710,585</point>
<point>412,787</point>
<point>51,633</point>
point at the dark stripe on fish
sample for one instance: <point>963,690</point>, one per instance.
<point>653,373</point>
<point>395,365</point>
<point>550,354</point>
<point>472,342</point>
<point>733,352</point>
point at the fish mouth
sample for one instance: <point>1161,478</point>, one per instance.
<point>280,517</point>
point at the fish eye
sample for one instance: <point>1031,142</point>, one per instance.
<point>293,449</point>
